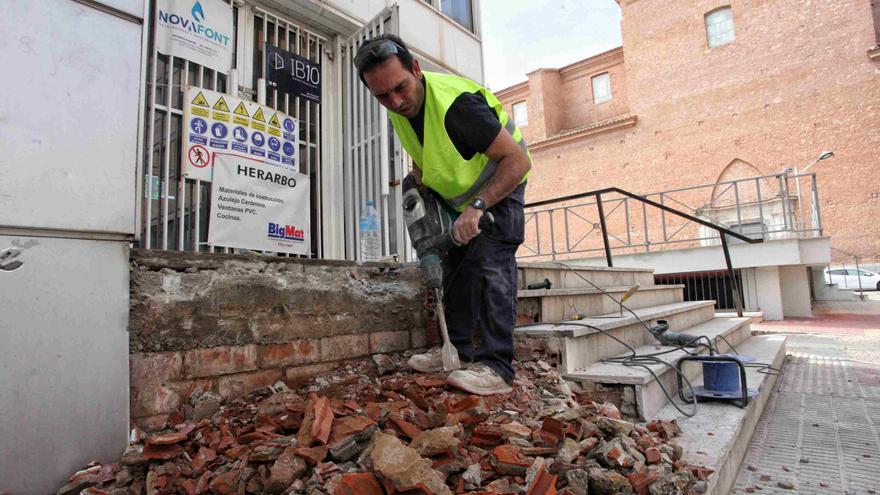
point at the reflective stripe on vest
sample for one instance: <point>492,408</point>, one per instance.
<point>487,173</point>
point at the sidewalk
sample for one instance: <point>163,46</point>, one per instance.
<point>819,433</point>
<point>857,318</point>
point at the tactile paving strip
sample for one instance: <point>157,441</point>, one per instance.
<point>821,427</point>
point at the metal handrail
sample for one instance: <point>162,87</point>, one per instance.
<point>858,271</point>
<point>723,232</point>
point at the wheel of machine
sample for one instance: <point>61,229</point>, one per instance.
<point>878,285</point>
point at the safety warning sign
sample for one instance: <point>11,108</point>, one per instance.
<point>216,122</point>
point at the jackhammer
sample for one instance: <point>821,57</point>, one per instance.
<point>429,221</point>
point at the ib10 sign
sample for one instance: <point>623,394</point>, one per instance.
<point>291,73</point>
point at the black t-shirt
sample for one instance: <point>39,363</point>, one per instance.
<point>470,122</point>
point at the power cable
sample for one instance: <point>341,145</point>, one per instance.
<point>644,360</point>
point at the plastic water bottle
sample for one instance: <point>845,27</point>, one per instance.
<point>371,237</point>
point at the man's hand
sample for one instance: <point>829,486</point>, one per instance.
<point>467,225</point>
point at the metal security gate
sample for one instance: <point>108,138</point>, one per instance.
<point>175,210</point>
<point>374,161</point>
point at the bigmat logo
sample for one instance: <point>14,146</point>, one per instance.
<point>194,24</point>
<point>286,232</point>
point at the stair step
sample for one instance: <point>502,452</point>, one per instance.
<point>618,373</point>
<point>551,305</point>
<point>580,345</point>
<point>649,385</point>
<point>610,321</point>
<point>575,291</point>
<point>731,427</point>
<point>570,276</point>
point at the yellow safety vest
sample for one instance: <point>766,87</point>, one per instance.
<point>443,168</point>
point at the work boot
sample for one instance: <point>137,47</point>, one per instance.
<point>479,379</point>
<point>427,362</point>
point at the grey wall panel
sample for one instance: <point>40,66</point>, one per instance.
<point>68,116</point>
<point>132,7</point>
<point>63,360</point>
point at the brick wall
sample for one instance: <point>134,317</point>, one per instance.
<point>797,80</point>
<point>230,324</point>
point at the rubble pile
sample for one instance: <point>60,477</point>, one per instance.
<point>375,428</point>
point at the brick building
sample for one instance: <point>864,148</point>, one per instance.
<point>703,92</point>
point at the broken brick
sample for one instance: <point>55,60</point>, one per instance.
<point>640,481</point>
<point>162,452</point>
<point>287,468</point>
<point>516,430</point>
<point>358,484</point>
<point>167,438</point>
<point>543,484</point>
<point>226,483</point>
<point>404,467</point>
<point>203,457</point>
<point>487,436</point>
<point>507,459</point>
<point>313,455</point>
<point>323,420</point>
<point>408,429</point>
<point>609,410</point>
<point>552,431</point>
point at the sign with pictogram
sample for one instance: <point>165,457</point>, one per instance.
<point>209,131</point>
<point>198,156</point>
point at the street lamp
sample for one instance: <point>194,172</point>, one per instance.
<point>797,180</point>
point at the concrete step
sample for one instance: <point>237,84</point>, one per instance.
<point>579,345</point>
<point>732,428</point>
<point>647,383</point>
<point>552,305</point>
<point>564,275</point>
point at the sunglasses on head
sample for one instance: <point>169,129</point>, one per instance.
<point>376,51</point>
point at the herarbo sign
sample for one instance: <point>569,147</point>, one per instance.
<point>291,73</point>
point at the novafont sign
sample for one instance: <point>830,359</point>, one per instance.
<point>194,25</point>
<point>199,32</point>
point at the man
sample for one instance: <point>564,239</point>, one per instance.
<point>468,150</point>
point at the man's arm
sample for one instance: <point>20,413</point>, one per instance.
<point>513,164</point>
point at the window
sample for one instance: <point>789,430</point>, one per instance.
<point>460,11</point>
<point>719,27</point>
<point>520,114</point>
<point>601,88</point>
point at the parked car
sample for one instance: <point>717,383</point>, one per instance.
<point>848,278</point>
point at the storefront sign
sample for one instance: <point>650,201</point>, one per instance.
<point>255,205</point>
<point>220,123</point>
<point>290,73</point>
<point>196,30</point>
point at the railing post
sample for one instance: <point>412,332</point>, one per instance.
<point>859,274</point>
<point>734,287</point>
<point>604,229</point>
<point>783,183</point>
<point>663,219</point>
<point>761,209</point>
<point>552,238</point>
<point>817,214</point>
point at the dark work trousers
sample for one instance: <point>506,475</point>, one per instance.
<point>480,288</point>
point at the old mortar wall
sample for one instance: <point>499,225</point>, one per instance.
<point>230,324</point>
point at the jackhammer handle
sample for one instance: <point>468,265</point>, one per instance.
<point>487,220</point>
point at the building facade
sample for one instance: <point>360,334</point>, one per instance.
<point>708,92</point>
<point>92,134</point>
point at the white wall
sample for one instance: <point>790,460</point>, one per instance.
<point>795,285</point>
<point>769,292</point>
<point>815,252</point>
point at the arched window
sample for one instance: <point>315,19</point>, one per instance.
<point>719,27</point>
